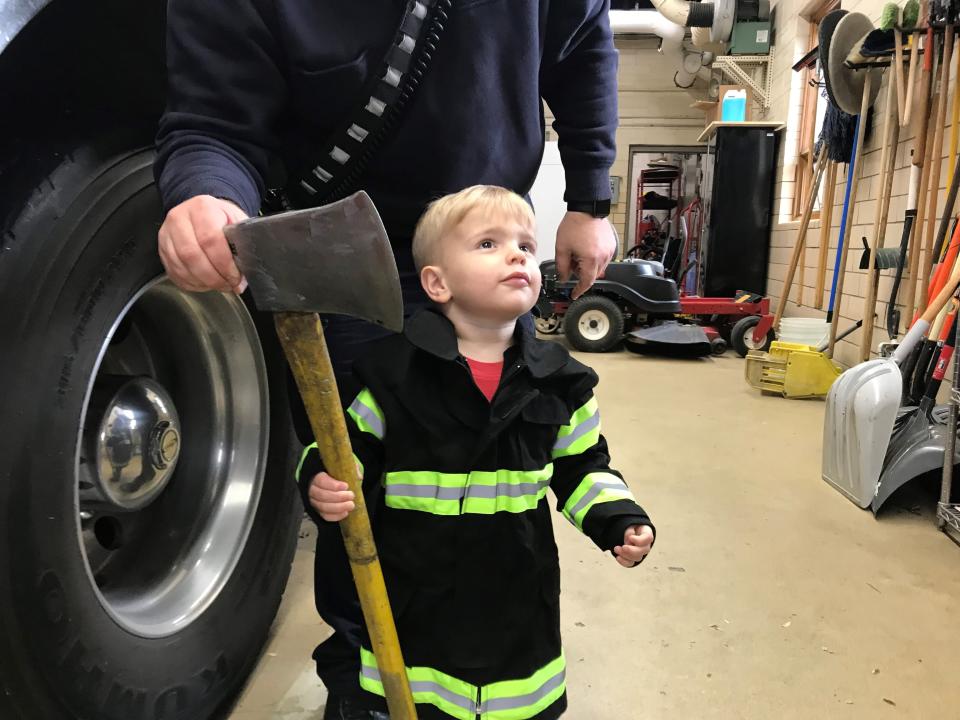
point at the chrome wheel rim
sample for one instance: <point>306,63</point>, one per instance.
<point>164,511</point>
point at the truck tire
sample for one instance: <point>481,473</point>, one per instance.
<point>147,505</point>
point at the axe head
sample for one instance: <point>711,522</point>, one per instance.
<point>331,259</point>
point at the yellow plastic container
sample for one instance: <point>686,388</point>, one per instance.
<point>791,370</point>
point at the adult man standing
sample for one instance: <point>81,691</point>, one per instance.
<point>257,86</point>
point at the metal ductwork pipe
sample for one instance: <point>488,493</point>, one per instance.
<point>690,74</point>
<point>701,41</point>
<point>685,13</point>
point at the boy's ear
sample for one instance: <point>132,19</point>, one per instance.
<point>434,284</point>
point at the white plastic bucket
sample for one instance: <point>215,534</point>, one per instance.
<point>804,331</point>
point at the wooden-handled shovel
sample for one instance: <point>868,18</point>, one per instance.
<point>332,259</point>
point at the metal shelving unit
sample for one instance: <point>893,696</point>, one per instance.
<point>736,67</point>
<point>948,514</point>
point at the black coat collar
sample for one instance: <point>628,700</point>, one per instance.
<point>432,332</point>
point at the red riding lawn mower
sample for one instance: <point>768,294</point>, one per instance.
<point>634,303</point>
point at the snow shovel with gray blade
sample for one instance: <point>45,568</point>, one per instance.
<point>862,410</point>
<point>917,445</point>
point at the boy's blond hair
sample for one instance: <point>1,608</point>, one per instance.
<point>446,213</point>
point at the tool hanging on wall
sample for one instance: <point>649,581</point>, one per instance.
<point>888,156</point>
<point>891,18</point>
<point>912,12</point>
<point>799,245</point>
<point>849,89</point>
<point>839,134</point>
<point>921,122</point>
<point>954,121</point>
<point>826,220</point>
<point>940,251</point>
<point>933,189</point>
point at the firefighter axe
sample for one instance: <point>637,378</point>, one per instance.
<point>332,259</point>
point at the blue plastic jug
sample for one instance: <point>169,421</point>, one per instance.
<point>734,106</point>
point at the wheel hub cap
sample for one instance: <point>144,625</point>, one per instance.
<point>594,325</point>
<point>136,446</point>
<point>171,455</point>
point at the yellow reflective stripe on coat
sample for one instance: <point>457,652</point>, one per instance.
<point>480,492</point>
<point>521,699</point>
<point>595,488</point>
<point>366,413</point>
<point>581,433</point>
<point>504,700</point>
<point>429,686</point>
<point>313,446</point>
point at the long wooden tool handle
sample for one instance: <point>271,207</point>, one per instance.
<point>936,163</point>
<point>826,220</point>
<point>891,135</point>
<point>936,305</point>
<point>912,74</point>
<point>922,324</point>
<point>954,123</point>
<point>853,177</point>
<point>921,120</point>
<point>802,234</point>
<point>301,336</point>
<point>898,80</point>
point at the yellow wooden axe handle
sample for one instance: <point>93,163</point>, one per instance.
<point>301,336</point>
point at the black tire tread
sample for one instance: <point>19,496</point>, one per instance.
<point>738,335</point>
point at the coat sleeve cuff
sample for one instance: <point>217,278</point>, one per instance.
<point>617,527</point>
<point>587,184</point>
<point>205,171</point>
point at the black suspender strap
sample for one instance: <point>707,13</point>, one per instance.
<point>342,160</point>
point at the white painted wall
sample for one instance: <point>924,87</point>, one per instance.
<point>547,197</point>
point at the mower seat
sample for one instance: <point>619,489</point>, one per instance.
<point>654,265</point>
<point>645,267</point>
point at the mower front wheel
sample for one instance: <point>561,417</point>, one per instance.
<point>593,324</point>
<point>741,336</point>
<point>549,325</point>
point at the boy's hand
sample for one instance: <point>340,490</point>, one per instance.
<point>331,498</point>
<point>637,541</point>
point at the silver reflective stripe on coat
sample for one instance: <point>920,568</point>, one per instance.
<point>582,429</point>
<point>521,701</point>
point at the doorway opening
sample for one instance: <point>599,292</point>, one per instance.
<point>666,209</point>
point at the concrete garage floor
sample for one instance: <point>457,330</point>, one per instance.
<point>768,595</point>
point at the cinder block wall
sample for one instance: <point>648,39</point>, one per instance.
<point>653,111</point>
<point>791,33</point>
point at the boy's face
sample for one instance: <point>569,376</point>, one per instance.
<point>487,267</point>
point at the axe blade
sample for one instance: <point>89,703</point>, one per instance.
<point>331,259</point>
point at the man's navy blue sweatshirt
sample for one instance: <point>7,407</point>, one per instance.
<point>254,85</point>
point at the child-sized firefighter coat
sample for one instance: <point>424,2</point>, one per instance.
<point>457,491</point>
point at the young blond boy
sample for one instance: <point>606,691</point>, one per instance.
<point>465,421</point>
